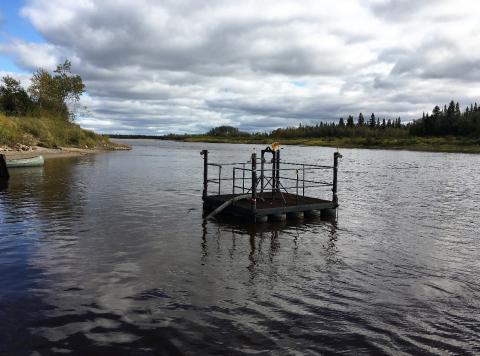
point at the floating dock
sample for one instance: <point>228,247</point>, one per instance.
<point>263,189</point>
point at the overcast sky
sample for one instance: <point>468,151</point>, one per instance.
<point>185,66</point>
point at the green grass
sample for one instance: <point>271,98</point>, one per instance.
<point>48,132</point>
<point>434,144</point>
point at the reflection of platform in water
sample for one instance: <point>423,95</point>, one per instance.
<point>270,204</point>
<point>267,243</point>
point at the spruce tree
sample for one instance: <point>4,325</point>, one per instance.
<point>361,120</point>
<point>373,122</point>
<point>350,121</point>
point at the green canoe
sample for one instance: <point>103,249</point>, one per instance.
<point>26,162</point>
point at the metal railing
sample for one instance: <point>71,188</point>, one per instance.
<point>246,178</point>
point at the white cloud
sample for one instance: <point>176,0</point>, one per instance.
<point>188,65</point>
<point>33,55</point>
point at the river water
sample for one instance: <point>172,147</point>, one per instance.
<point>107,254</point>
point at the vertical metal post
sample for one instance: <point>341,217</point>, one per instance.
<point>336,155</point>
<point>243,179</point>
<point>262,170</point>
<point>219,178</point>
<point>278,171</point>
<point>274,168</point>
<point>297,185</point>
<point>204,153</point>
<point>303,178</point>
<point>254,183</point>
<point>233,185</point>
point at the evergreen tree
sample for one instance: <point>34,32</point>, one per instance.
<point>350,122</point>
<point>451,108</point>
<point>457,111</point>
<point>372,121</point>
<point>361,120</point>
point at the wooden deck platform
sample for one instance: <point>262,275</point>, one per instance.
<point>267,204</point>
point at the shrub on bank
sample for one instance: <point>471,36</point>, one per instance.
<point>48,132</point>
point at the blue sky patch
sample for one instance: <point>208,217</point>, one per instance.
<point>13,25</point>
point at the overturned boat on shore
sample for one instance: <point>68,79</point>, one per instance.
<point>36,161</point>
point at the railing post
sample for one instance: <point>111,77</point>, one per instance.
<point>243,179</point>
<point>297,185</point>
<point>274,168</point>
<point>219,179</point>
<point>262,170</point>
<point>254,183</point>
<point>278,171</point>
<point>233,185</point>
<point>336,156</point>
<point>204,153</point>
<point>303,178</point>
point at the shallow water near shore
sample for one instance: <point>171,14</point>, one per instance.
<point>108,254</point>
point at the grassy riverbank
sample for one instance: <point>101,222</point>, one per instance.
<point>49,132</point>
<point>433,144</point>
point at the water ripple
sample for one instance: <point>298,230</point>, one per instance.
<point>107,254</point>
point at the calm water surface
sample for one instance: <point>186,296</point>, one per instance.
<point>107,254</point>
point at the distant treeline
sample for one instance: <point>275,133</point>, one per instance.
<point>449,121</point>
<point>374,127</point>
<point>48,94</point>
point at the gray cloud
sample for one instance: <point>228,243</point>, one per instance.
<point>185,66</point>
<point>401,10</point>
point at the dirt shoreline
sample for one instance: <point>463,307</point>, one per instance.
<point>49,153</point>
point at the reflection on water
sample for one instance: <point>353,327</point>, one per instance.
<point>109,254</point>
<point>264,240</point>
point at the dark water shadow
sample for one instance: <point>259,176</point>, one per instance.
<point>24,333</point>
<point>3,184</point>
